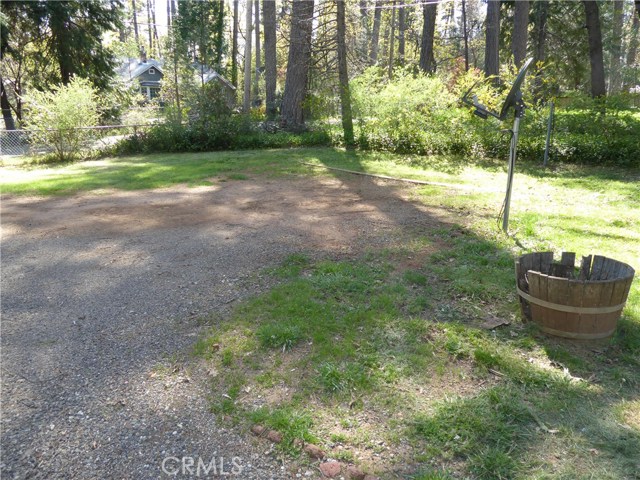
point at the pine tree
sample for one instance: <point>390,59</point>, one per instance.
<point>72,34</point>
<point>295,89</point>
<point>520,32</point>
<point>596,57</point>
<point>492,45</point>
<point>343,74</point>
<point>427,57</point>
<point>270,67</point>
<point>375,35</point>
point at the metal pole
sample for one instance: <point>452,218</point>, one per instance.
<point>549,127</point>
<point>512,166</point>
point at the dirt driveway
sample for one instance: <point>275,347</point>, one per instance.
<point>102,293</point>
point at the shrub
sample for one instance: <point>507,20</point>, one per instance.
<point>409,114</point>
<point>223,133</point>
<point>56,117</point>
<point>422,115</point>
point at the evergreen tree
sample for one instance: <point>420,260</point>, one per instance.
<point>270,67</point>
<point>492,45</point>
<point>70,34</point>
<point>520,31</point>
<point>427,57</point>
<point>343,75</point>
<point>200,26</point>
<point>596,57</point>
<point>295,89</point>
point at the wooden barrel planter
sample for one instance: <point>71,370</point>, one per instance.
<point>581,303</point>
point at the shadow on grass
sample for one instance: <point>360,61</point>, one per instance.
<point>409,313</point>
<point>497,430</point>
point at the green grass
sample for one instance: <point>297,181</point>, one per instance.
<point>144,172</point>
<point>366,351</point>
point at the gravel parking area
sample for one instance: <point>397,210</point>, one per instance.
<point>103,295</point>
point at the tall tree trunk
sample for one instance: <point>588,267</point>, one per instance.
<point>256,83</point>
<point>402,25</point>
<point>270,67</point>
<point>541,13</point>
<point>520,32</point>
<point>427,58</point>
<point>343,74</point>
<point>392,39</point>
<point>596,58</point>
<point>176,83</point>
<point>149,28</point>
<point>234,45</point>
<point>168,14</point>
<point>637,3</point>
<point>295,88</point>
<point>59,25</point>
<point>363,38</point>
<point>134,8</point>
<point>615,73</point>
<point>465,35</point>
<point>219,32</point>
<point>632,52</point>
<point>492,44</point>
<point>7,115</point>
<point>155,26</point>
<point>633,42</point>
<point>375,35</point>
<point>246,104</point>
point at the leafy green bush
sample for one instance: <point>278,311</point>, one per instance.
<point>412,113</point>
<point>423,115</point>
<point>55,118</point>
<point>222,133</point>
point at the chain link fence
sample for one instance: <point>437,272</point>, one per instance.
<point>93,139</point>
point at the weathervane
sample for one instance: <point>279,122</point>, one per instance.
<point>513,100</point>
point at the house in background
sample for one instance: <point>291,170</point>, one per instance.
<point>206,75</point>
<point>148,74</point>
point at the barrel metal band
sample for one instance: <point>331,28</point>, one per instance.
<point>577,336</point>
<point>569,308</point>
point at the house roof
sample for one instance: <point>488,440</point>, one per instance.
<point>209,74</point>
<point>133,67</point>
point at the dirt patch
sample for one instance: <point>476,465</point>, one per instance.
<point>332,211</point>
<point>98,291</point>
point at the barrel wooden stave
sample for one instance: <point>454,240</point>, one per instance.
<point>601,282</point>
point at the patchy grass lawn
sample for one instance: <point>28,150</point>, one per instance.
<point>383,360</point>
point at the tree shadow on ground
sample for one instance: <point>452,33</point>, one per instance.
<point>505,430</point>
<point>113,350</point>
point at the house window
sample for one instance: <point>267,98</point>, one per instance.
<point>152,71</point>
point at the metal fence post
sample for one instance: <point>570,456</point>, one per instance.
<point>549,128</point>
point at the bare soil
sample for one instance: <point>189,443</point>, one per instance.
<point>103,293</point>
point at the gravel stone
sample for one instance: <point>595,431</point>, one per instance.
<point>104,295</point>
<point>330,469</point>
